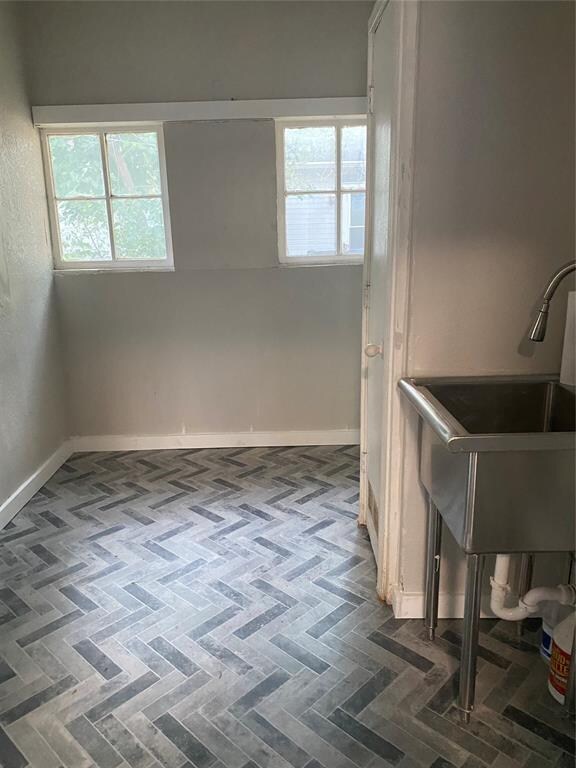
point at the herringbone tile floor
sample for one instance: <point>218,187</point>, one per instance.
<point>216,608</point>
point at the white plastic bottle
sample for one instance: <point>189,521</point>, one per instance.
<point>561,657</point>
<point>552,614</point>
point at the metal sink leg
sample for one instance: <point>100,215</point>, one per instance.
<point>432,568</point>
<point>474,564</point>
<point>524,582</point>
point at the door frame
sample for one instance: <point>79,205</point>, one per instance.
<point>387,544</point>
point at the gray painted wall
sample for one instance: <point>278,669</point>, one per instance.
<point>213,347</point>
<point>222,188</point>
<point>32,417</point>
<point>494,183</point>
<point>213,350</point>
<point>493,205</point>
<point>99,53</point>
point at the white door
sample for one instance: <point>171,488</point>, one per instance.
<point>391,82</point>
<point>377,268</point>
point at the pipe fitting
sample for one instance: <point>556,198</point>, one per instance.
<point>529,604</point>
<point>565,594</point>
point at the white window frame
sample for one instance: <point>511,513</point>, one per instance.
<point>281,194</point>
<point>122,265</point>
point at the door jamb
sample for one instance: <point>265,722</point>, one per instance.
<point>373,23</point>
<point>400,249</point>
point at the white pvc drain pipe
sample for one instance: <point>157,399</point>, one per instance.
<point>529,604</point>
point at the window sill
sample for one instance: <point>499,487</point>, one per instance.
<point>118,271</point>
<point>315,263</point>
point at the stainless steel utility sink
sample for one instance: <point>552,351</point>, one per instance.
<point>497,459</point>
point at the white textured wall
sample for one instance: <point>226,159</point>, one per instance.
<point>32,420</point>
<point>230,342</point>
<point>493,205</point>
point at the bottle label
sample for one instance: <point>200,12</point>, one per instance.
<point>546,642</point>
<point>559,669</point>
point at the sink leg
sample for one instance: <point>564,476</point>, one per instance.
<point>468,658</point>
<point>432,568</point>
<point>524,582</point>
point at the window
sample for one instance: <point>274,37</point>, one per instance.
<point>321,191</point>
<point>107,198</point>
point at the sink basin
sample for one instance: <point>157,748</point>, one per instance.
<point>497,458</point>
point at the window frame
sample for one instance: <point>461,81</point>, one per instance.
<point>114,265</point>
<point>339,258</point>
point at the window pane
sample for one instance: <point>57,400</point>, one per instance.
<point>77,166</point>
<point>353,157</point>
<point>84,230</point>
<point>139,229</point>
<point>133,163</point>
<point>352,216</point>
<point>310,159</point>
<point>311,225</point>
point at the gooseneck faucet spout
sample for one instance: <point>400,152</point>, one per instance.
<point>538,330</point>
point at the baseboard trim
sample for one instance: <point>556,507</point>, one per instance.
<point>33,483</point>
<point>40,476</point>
<point>85,443</point>
<point>410,605</point>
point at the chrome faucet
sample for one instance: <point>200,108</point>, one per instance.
<point>538,330</point>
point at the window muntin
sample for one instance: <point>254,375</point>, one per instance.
<point>321,190</point>
<point>107,198</point>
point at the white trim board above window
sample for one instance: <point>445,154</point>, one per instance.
<point>107,198</point>
<point>321,190</point>
<point>164,112</point>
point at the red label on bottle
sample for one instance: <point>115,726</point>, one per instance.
<point>559,669</point>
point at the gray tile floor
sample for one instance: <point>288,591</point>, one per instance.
<point>216,608</point>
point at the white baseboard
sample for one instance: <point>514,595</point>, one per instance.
<point>32,484</point>
<point>410,605</point>
<point>214,440</point>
